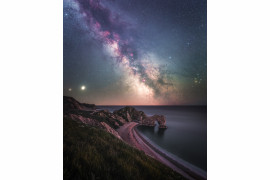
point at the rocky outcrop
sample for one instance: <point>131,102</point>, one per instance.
<point>119,118</point>
<point>131,114</point>
<point>106,120</point>
<point>150,121</point>
<point>95,123</point>
<point>70,104</point>
<point>85,120</point>
<point>112,119</point>
<point>110,130</point>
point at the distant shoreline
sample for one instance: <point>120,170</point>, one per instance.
<point>130,135</point>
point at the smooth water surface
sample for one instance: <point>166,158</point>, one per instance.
<point>186,135</point>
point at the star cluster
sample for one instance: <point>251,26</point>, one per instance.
<point>135,52</point>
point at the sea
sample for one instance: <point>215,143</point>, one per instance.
<point>185,139</point>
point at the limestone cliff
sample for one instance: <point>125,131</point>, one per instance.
<point>131,114</point>
<point>110,130</point>
<point>71,103</point>
<point>87,114</point>
<point>150,121</point>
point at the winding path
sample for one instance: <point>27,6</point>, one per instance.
<point>130,136</point>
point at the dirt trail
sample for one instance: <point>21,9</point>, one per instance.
<point>130,136</point>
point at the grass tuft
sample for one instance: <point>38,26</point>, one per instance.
<point>91,153</point>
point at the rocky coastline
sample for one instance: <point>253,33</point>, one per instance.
<point>89,114</point>
<point>121,124</point>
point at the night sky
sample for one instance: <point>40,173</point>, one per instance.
<point>135,52</point>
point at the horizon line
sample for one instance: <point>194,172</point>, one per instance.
<point>156,105</point>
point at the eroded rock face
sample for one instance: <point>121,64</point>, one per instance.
<point>95,123</point>
<point>106,120</point>
<point>150,121</point>
<point>85,120</point>
<point>70,103</point>
<point>131,114</point>
<point>160,119</point>
<point>111,130</point>
<point>114,120</point>
<point>119,118</point>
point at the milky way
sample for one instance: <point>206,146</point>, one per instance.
<point>125,43</point>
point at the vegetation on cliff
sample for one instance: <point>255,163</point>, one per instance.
<point>93,153</point>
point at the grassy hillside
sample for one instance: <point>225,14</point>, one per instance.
<point>91,153</point>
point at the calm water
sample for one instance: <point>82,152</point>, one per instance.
<point>186,136</point>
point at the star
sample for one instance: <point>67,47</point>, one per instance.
<point>107,45</point>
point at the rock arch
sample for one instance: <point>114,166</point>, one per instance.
<point>131,114</point>
<point>150,121</point>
